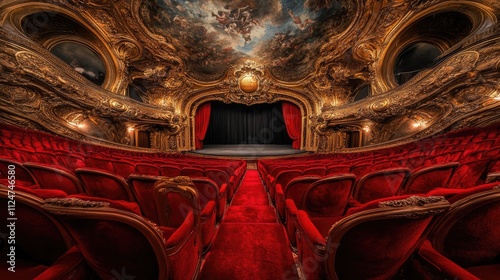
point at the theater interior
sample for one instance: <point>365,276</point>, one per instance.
<point>250,139</point>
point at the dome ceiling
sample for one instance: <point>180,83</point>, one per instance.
<point>210,36</point>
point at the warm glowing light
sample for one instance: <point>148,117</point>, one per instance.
<point>419,124</point>
<point>366,128</point>
<point>130,129</point>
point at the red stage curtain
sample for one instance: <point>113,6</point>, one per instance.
<point>201,120</point>
<point>293,122</point>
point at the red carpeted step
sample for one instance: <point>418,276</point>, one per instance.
<point>249,251</point>
<point>250,214</point>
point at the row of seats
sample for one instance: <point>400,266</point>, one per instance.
<point>93,238</point>
<point>449,234</point>
<point>126,181</point>
<point>319,191</point>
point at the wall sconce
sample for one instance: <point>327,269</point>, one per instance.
<point>366,128</point>
<point>130,129</point>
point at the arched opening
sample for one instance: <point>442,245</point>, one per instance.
<point>240,124</point>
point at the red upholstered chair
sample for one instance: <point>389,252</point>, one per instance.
<point>147,169</point>
<point>221,177</point>
<point>380,184</point>
<point>208,190</point>
<point>192,172</point>
<point>23,176</point>
<point>170,170</point>
<point>178,202</point>
<point>123,168</point>
<point>427,178</point>
<point>71,161</point>
<point>466,239</point>
<point>293,190</point>
<point>142,187</point>
<point>43,246</point>
<point>372,241</point>
<point>470,173</point>
<point>103,184</point>
<point>361,169</point>
<point>337,169</point>
<point>324,201</point>
<point>315,171</point>
<point>282,179</point>
<point>52,177</point>
<point>101,163</point>
<point>117,242</point>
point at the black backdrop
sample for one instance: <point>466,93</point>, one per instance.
<point>241,124</point>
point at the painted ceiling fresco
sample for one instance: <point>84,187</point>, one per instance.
<point>284,35</point>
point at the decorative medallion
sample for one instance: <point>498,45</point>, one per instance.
<point>248,83</point>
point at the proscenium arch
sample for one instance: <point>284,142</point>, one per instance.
<point>306,106</point>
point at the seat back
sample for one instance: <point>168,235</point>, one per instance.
<point>170,170</point>
<point>104,184</point>
<point>380,184</point>
<point>142,186</point>
<point>298,186</point>
<point>101,163</point>
<point>318,171</point>
<point>192,172</point>
<point>428,178</point>
<point>176,198</point>
<point>469,233</point>
<point>379,236</point>
<point>50,177</point>
<point>113,241</point>
<point>39,237</point>
<point>470,174</point>
<point>207,190</point>
<point>22,175</point>
<point>147,169</point>
<point>328,196</point>
<point>337,169</point>
<point>123,168</point>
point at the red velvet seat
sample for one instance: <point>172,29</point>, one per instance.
<point>101,163</point>
<point>466,239</point>
<point>470,173</point>
<point>103,184</point>
<point>282,178</point>
<point>52,177</point>
<point>315,171</point>
<point>170,170</point>
<point>144,249</point>
<point>143,188</point>
<point>71,161</point>
<point>324,198</point>
<point>147,169</point>
<point>380,184</point>
<point>22,176</point>
<point>192,172</point>
<point>427,178</point>
<point>372,241</point>
<point>209,190</point>
<point>337,169</point>
<point>43,246</point>
<point>222,178</point>
<point>123,168</point>
<point>178,202</point>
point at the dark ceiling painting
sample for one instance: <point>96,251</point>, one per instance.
<point>283,35</point>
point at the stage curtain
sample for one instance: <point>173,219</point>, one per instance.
<point>293,121</point>
<point>239,124</point>
<point>201,119</point>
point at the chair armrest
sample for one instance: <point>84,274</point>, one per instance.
<point>291,208</point>
<point>309,229</point>
<point>208,210</point>
<point>182,233</point>
<point>71,264</point>
<point>431,258</point>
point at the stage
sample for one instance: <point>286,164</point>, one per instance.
<point>248,151</point>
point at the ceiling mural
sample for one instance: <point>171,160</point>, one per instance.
<point>212,35</point>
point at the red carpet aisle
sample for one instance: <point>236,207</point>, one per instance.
<point>250,243</point>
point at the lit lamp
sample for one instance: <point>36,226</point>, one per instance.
<point>248,83</point>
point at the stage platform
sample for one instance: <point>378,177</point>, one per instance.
<point>249,151</point>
